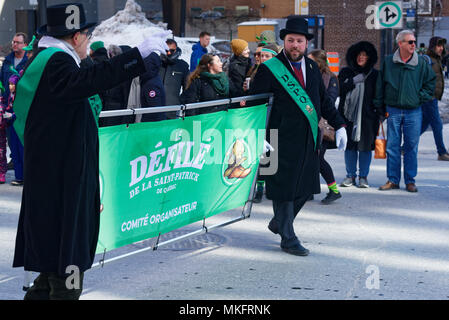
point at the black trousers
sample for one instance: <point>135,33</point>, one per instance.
<point>285,213</point>
<point>325,168</point>
<point>51,286</point>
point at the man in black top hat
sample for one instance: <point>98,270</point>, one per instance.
<point>296,124</point>
<point>60,213</point>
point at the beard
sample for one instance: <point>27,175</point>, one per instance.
<point>297,56</point>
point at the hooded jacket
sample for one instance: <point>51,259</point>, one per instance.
<point>370,115</point>
<point>437,66</point>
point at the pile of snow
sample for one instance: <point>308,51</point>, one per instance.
<point>130,27</point>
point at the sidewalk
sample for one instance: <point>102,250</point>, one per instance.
<point>398,238</point>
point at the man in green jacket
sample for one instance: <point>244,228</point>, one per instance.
<point>430,112</point>
<point>405,82</point>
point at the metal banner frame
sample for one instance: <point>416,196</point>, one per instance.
<point>246,211</point>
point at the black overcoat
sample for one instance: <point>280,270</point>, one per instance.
<point>298,164</point>
<point>370,114</point>
<point>60,213</point>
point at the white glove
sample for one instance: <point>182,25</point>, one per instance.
<point>267,147</point>
<point>7,115</point>
<point>153,44</point>
<point>341,138</point>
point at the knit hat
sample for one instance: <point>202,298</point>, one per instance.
<point>238,45</point>
<point>267,36</point>
<point>97,45</point>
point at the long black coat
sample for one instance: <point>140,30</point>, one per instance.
<point>60,212</point>
<point>298,166</point>
<point>370,115</point>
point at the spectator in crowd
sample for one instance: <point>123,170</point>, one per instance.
<point>199,49</point>
<point>252,71</point>
<point>331,84</point>
<point>16,60</point>
<point>98,52</point>
<point>60,212</point>
<point>152,92</point>
<point>117,97</point>
<point>357,84</point>
<point>173,72</point>
<point>300,99</point>
<point>3,126</point>
<point>13,63</point>
<point>240,64</point>
<point>207,82</point>
<point>404,83</point>
<point>15,144</point>
<point>430,111</point>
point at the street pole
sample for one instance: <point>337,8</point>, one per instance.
<point>41,12</point>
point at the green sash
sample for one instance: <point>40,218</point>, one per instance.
<point>26,89</point>
<point>296,91</point>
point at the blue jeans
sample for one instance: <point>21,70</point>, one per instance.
<point>431,116</point>
<point>364,158</point>
<point>16,153</point>
<point>403,124</point>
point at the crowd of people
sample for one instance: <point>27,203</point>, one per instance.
<point>404,92</point>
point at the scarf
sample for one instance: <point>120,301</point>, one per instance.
<point>353,107</point>
<point>47,41</point>
<point>219,81</point>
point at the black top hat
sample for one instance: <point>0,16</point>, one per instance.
<point>298,25</point>
<point>65,19</point>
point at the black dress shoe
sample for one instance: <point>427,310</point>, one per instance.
<point>273,226</point>
<point>297,250</point>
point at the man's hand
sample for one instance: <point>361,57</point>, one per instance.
<point>341,139</point>
<point>153,44</point>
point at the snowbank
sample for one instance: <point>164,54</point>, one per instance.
<point>130,27</point>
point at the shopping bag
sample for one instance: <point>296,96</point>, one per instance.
<point>380,146</point>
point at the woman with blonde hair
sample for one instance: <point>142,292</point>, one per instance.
<point>331,84</point>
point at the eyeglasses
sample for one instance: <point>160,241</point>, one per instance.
<point>411,42</point>
<point>257,54</point>
<point>88,34</point>
<point>17,42</point>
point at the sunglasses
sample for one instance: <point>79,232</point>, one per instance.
<point>411,42</point>
<point>257,54</point>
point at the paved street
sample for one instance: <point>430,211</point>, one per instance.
<point>368,245</point>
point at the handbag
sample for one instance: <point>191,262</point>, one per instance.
<point>327,131</point>
<point>380,145</point>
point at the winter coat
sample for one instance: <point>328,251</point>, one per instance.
<point>197,52</point>
<point>174,73</point>
<point>60,213</point>
<point>298,163</point>
<point>239,67</point>
<point>201,90</point>
<point>6,72</point>
<point>370,114</point>
<point>404,85</point>
<point>112,99</point>
<point>437,67</point>
<point>152,93</point>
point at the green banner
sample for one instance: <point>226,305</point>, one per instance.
<point>159,176</point>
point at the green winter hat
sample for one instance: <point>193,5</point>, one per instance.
<point>97,45</point>
<point>30,45</point>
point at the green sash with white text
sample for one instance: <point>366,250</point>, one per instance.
<point>296,91</point>
<point>26,90</point>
